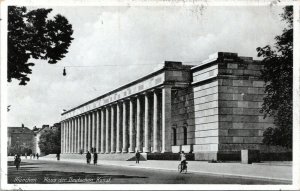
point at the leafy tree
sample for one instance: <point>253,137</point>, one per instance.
<point>31,35</point>
<point>278,76</point>
<point>50,141</point>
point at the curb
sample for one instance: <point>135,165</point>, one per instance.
<point>193,171</point>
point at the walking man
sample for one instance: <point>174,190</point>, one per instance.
<point>88,157</point>
<point>95,158</point>
<point>37,155</point>
<point>17,161</point>
<point>137,157</point>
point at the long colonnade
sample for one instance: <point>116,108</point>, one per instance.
<point>138,123</point>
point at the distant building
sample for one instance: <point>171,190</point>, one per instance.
<point>20,140</point>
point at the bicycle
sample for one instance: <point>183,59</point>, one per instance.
<point>184,168</point>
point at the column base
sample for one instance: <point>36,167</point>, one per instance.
<point>131,150</point>
<point>118,152</point>
<point>112,152</point>
<point>146,150</point>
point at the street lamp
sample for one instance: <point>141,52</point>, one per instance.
<point>64,72</point>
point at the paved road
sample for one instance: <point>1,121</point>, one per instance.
<point>58,172</point>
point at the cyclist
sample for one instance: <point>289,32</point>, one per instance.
<point>183,161</point>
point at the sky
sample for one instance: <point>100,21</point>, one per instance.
<point>113,46</point>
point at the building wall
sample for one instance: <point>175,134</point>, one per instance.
<point>183,116</point>
<point>217,102</point>
<point>20,141</point>
<point>241,95</point>
<point>228,95</point>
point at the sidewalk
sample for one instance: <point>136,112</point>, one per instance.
<point>269,171</point>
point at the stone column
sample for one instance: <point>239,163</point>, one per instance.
<point>166,119</point>
<point>78,134</point>
<point>68,136</point>
<point>138,124</point>
<point>107,132</point>
<point>89,131</point>
<point>125,145</point>
<point>75,134</point>
<point>112,130</point>
<point>146,123</point>
<point>72,135</point>
<point>118,123</point>
<point>93,128</point>
<point>61,136</point>
<point>103,130</point>
<point>86,132</point>
<point>155,122</point>
<point>82,131</point>
<point>97,130</point>
<point>131,127</point>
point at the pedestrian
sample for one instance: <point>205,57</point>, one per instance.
<point>17,161</point>
<point>33,155</point>
<point>58,156</point>
<point>37,155</point>
<point>182,161</point>
<point>30,155</point>
<point>25,155</point>
<point>88,157</point>
<point>95,156</point>
<point>137,157</point>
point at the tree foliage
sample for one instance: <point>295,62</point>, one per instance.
<point>278,76</point>
<point>50,141</point>
<point>31,35</point>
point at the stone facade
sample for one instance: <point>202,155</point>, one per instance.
<point>21,140</point>
<point>211,110</point>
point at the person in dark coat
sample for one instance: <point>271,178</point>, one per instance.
<point>137,157</point>
<point>58,156</point>
<point>95,158</point>
<point>33,156</point>
<point>37,155</point>
<point>17,161</point>
<point>88,157</point>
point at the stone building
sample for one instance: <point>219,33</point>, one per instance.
<point>210,109</point>
<point>20,140</point>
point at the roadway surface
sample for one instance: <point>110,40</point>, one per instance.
<point>58,172</point>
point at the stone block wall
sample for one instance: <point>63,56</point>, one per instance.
<point>228,95</point>
<point>206,117</point>
<point>183,116</point>
<point>221,109</point>
<point>241,92</point>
